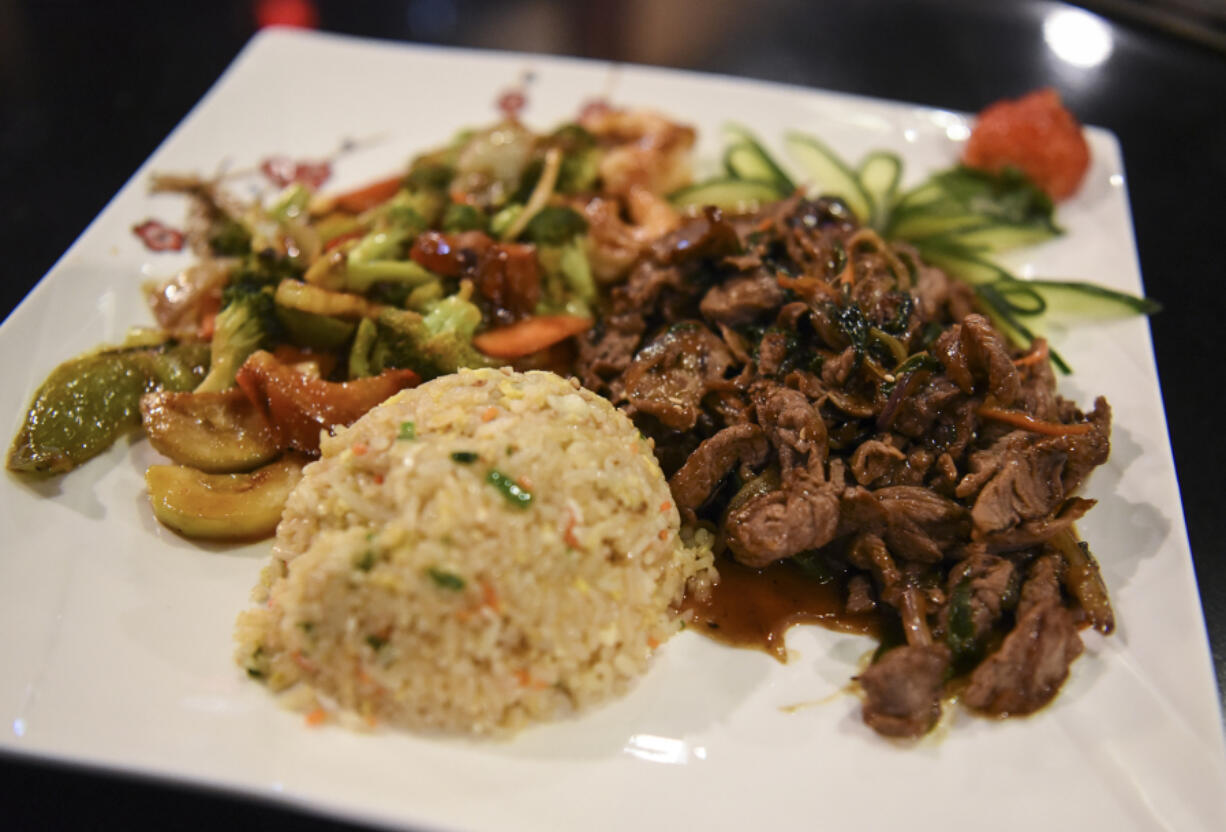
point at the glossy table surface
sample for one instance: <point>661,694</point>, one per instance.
<point>88,90</point>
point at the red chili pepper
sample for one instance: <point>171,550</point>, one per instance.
<point>159,237</point>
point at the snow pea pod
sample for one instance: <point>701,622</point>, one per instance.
<point>89,402</point>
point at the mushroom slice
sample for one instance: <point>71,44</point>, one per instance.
<point>223,506</point>
<point>218,433</point>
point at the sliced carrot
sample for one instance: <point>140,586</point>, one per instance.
<point>208,325</point>
<point>530,335</point>
<point>368,196</point>
<point>356,234</point>
<point>568,536</point>
<point>1036,356</point>
<point>489,596</point>
<point>1027,422</point>
<point>316,717</point>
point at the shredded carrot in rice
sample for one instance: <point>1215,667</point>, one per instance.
<point>489,596</point>
<point>665,506</point>
<point>653,642</point>
<point>525,680</point>
<point>1027,422</point>
<point>664,534</point>
<point>568,536</point>
<point>360,449</point>
<point>490,414</point>
<point>303,662</point>
<point>316,717</point>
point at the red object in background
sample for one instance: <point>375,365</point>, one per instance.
<point>1036,134</point>
<point>159,237</point>
<point>511,103</point>
<point>299,13</point>
<point>282,170</point>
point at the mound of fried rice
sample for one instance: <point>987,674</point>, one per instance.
<point>486,550</point>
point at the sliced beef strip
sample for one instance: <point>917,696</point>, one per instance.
<point>903,690</point>
<point>918,413</point>
<point>920,524</point>
<point>836,370</point>
<point>792,424</point>
<point>1033,661</point>
<point>859,595</point>
<point>1039,530</point>
<point>993,589</point>
<point>1037,392</point>
<point>608,353</point>
<point>772,350</point>
<point>859,511</point>
<point>1085,451</point>
<point>972,350</point>
<point>669,377</point>
<point>1026,484</point>
<point>743,299</point>
<point>801,515</point>
<point>714,459</point>
<point>874,460</point>
<point>706,236</point>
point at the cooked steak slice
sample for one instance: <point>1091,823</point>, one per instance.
<point>742,300</point>
<point>669,377</point>
<point>711,461</point>
<point>801,515</point>
<point>1033,661</point>
<point>903,690</point>
<point>921,525</point>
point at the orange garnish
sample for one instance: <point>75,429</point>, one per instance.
<point>490,414</point>
<point>316,717</point>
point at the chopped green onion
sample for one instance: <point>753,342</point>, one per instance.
<point>464,457</point>
<point>375,642</point>
<point>516,496</point>
<point>366,562</point>
<point>408,430</point>
<point>445,580</point>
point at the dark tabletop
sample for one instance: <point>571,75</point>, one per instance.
<point>88,90</point>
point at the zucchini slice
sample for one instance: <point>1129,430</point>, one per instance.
<point>746,158</point>
<point>880,172</point>
<point>736,196</point>
<point>829,173</point>
<point>1000,236</point>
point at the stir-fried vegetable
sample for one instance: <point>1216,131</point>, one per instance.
<point>89,402</point>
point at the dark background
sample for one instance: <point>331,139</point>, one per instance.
<point>89,89</point>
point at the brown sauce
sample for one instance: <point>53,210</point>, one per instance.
<point>756,607</point>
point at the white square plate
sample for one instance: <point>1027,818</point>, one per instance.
<point>116,646</point>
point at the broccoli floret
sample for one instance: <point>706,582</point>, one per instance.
<point>435,344</point>
<point>264,268</point>
<point>229,238</point>
<point>461,217</point>
<point>554,225</point>
<point>247,322</point>
<point>377,258</point>
<point>430,173</point>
